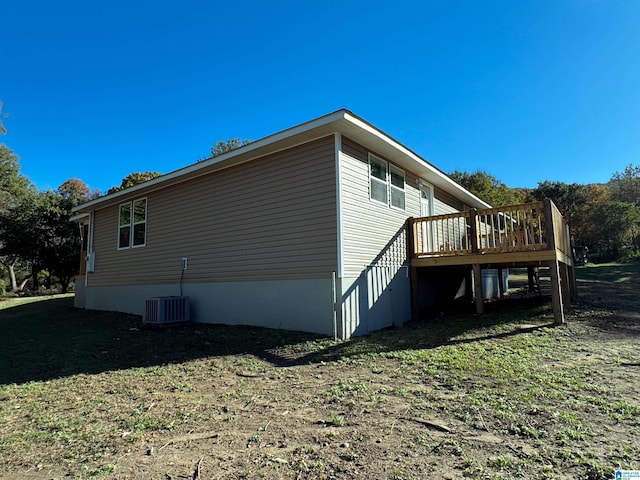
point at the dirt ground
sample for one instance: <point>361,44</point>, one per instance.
<point>407,407</point>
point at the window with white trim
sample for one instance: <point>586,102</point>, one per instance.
<point>132,224</point>
<point>386,183</point>
<point>396,179</point>
<point>378,179</point>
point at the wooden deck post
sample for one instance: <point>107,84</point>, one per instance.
<point>477,284</point>
<point>549,233</point>
<point>573,284</point>
<point>554,265</point>
<point>556,292</point>
<point>468,284</point>
<point>500,283</point>
<point>531,277</point>
<point>413,285</point>
<point>473,230</point>
<point>564,283</point>
<point>413,271</point>
<point>477,269</point>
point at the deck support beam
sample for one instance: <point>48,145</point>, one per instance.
<point>564,284</point>
<point>468,284</point>
<point>477,288</point>
<point>532,279</point>
<point>477,268</point>
<point>415,294</point>
<point>573,284</point>
<point>413,270</point>
<point>556,292</point>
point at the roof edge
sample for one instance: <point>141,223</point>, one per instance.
<point>336,117</point>
<point>442,176</point>
<point>281,135</point>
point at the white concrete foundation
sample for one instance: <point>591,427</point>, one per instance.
<point>305,305</point>
<point>379,298</point>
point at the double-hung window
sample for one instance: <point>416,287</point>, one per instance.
<point>378,172</point>
<point>396,180</point>
<point>132,224</point>
<point>386,183</point>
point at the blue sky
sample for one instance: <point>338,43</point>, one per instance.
<point>525,90</point>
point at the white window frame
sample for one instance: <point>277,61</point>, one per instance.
<point>373,179</point>
<point>132,223</point>
<point>389,186</point>
<point>392,187</point>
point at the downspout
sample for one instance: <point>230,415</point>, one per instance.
<point>334,305</point>
<point>90,254</point>
<point>337,309</point>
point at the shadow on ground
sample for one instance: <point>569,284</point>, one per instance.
<point>613,287</point>
<point>51,339</point>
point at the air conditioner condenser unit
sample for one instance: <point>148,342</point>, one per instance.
<point>162,311</point>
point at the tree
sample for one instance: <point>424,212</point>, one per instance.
<point>74,190</point>
<point>597,192</point>
<point>612,229</point>
<point>77,191</point>
<point>134,178</point>
<point>224,146</point>
<point>20,232</point>
<point>64,241</point>
<point>604,217</point>
<point>616,223</point>
<point>14,188</point>
<point>487,188</point>
<point>39,232</point>
<point>66,236</point>
<point>3,130</point>
<point>13,184</point>
<point>570,198</point>
<point>625,186</point>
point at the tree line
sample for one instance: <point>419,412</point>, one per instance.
<point>604,217</point>
<point>39,245</point>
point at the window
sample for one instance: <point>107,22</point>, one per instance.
<point>378,181</point>
<point>386,183</point>
<point>397,188</point>
<point>132,224</point>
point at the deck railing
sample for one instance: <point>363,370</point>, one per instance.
<point>514,228</point>
<point>561,232</point>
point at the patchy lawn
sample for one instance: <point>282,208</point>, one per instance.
<point>505,395</point>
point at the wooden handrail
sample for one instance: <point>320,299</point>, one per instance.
<point>561,233</point>
<point>513,228</point>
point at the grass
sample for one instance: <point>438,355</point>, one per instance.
<point>611,272</point>
<point>505,395</point>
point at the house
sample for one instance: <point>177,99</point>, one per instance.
<point>305,229</point>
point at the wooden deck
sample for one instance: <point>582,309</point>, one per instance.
<point>526,235</point>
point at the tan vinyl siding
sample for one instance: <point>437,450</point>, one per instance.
<point>444,203</point>
<point>373,233</point>
<point>272,218</point>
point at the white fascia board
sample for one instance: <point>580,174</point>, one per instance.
<point>176,174</point>
<point>337,121</point>
<point>79,217</point>
<point>439,177</point>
